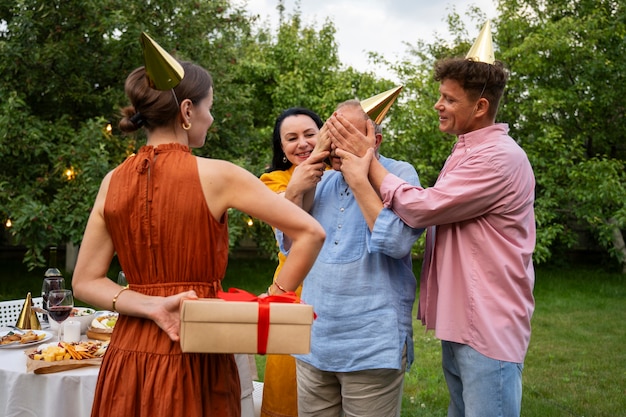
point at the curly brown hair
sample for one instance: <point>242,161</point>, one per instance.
<point>478,79</point>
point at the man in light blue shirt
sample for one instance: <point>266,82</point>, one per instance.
<point>362,288</point>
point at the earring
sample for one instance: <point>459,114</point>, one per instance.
<point>284,159</point>
<point>186,126</point>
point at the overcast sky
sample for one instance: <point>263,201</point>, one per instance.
<point>375,25</point>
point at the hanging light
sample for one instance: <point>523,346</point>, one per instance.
<point>250,222</point>
<point>8,224</point>
<point>108,128</point>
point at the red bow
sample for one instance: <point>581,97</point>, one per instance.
<point>263,327</point>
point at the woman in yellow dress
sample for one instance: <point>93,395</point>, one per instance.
<point>294,139</point>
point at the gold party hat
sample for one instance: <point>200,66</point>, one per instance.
<point>377,106</point>
<point>163,71</point>
<point>482,50</point>
<point>28,318</point>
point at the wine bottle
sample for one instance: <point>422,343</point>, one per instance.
<point>53,280</point>
<point>52,270</point>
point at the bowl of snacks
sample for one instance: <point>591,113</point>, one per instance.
<point>102,325</point>
<point>83,315</point>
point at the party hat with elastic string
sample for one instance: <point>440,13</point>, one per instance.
<point>482,50</point>
<point>163,71</point>
<point>377,106</point>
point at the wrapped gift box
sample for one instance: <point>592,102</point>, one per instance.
<point>218,326</point>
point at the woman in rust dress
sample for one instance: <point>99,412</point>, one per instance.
<point>163,212</point>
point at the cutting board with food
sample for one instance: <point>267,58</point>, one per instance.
<point>62,356</point>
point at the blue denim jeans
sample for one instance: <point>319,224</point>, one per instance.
<point>480,386</point>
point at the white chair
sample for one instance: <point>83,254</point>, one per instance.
<point>10,310</point>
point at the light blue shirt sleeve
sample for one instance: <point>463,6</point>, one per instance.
<point>391,235</point>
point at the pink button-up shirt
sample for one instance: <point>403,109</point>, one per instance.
<point>477,279</point>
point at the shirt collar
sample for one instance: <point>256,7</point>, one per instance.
<point>476,137</point>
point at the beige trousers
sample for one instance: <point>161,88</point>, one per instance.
<point>368,393</point>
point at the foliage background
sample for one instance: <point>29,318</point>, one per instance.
<point>64,64</point>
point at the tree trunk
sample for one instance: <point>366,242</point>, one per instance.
<point>71,253</point>
<point>618,243</point>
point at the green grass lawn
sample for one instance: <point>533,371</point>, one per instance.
<point>576,364</point>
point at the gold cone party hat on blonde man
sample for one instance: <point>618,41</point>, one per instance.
<point>28,318</point>
<point>377,106</point>
<point>482,50</point>
<point>163,71</point>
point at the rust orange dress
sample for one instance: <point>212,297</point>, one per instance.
<point>167,241</point>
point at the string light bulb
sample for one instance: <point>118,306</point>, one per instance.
<point>8,223</point>
<point>70,174</point>
<point>250,222</point>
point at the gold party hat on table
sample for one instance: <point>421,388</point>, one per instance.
<point>482,50</point>
<point>28,318</point>
<point>164,72</point>
<point>377,106</point>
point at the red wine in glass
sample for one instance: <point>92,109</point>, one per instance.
<point>60,305</point>
<point>50,283</point>
<point>59,313</point>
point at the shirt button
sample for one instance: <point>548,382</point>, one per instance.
<point>341,209</point>
<point>339,227</point>
<point>336,242</point>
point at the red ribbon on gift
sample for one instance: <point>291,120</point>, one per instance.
<point>263,328</point>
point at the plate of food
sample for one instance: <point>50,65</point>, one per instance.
<point>102,325</point>
<point>23,338</point>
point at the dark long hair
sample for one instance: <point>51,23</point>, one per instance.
<point>277,151</point>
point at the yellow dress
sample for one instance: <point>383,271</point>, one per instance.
<point>280,398</point>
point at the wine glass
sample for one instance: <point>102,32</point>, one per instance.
<point>60,305</point>
<point>49,284</point>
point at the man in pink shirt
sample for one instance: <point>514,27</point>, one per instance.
<point>476,288</point>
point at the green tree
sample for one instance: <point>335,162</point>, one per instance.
<point>562,103</point>
<point>566,101</point>
<point>296,66</point>
<point>63,73</point>
<point>64,65</point>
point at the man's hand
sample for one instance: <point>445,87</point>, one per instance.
<point>355,169</point>
<point>346,136</point>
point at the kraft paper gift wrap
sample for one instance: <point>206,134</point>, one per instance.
<point>239,322</point>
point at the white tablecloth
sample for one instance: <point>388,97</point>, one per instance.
<point>62,394</point>
<point>70,393</point>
